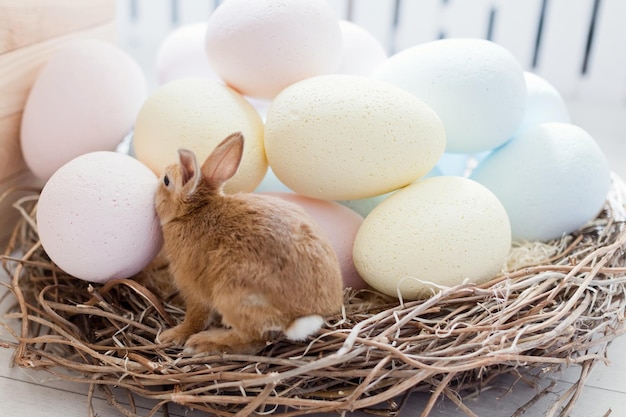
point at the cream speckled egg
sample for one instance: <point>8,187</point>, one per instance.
<point>346,137</point>
<point>96,217</point>
<point>476,86</point>
<point>84,99</point>
<point>197,114</point>
<point>441,230</point>
<point>552,178</point>
<point>259,47</point>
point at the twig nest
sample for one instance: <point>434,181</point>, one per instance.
<point>551,178</point>
<point>96,217</point>
<point>437,232</point>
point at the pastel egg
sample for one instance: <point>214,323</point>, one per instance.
<point>552,178</point>
<point>544,103</point>
<point>476,86</point>
<point>364,206</point>
<point>84,99</point>
<point>271,183</point>
<point>197,114</point>
<point>340,224</point>
<point>181,54</point>
<point>436,232</point>
<point>346,137</point>
<point>259,47</point>
<point>361,52</point>
<point>96,217</point>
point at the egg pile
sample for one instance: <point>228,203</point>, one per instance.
<point>375,148</point>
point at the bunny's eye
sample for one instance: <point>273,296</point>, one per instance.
<point>166,180</point>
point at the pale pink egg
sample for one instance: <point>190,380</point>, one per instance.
<point>181,54</point>
<point>259,47</point>
<point>340,224</point>
<point>361,52</point>
<point>85,99</point>
<point>96,217</point>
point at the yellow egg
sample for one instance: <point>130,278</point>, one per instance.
<point>346,137</point>
<point>436,232</point>
<point>197,114</point>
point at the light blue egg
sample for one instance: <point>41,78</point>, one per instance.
<point>271,183</point>
<point>552,179</point>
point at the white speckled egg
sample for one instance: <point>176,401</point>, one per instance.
<point>197,114</point>
<point>259,47</point>
<point>552,179</point>
<point>340,224</point>
<point>361,52</point>
<point>96,217</point>
<point>436,232</point>
<point>345,137</point>
<point>181,54</point>
<point>84,99</point>
<point>476,86</point>
<point>543,103</point>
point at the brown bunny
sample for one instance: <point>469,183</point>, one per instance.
<point>257,261</point>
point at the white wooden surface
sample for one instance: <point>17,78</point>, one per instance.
<point>596,99</point>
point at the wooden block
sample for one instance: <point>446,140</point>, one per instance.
<point>11,161</point>
<point>26,22</point>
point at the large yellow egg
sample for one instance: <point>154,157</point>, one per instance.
<point>346,137</point>
<point>197,114</point>
<point>436,232</point>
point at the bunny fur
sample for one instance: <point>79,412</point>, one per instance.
<point>258,262</point>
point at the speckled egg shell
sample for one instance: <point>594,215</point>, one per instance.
<point>197,114</point>
<point>552,178</point>
<point>96,217</point>
<point>476,86</point>
<point>84,99</point>
<point>345,137</point>
<point>436,232</point>
<point>259,47</point>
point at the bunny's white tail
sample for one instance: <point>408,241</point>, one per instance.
<point>303,327</point>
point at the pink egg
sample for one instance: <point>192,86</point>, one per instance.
<point>96,217</point>
<point>259,47</point>
<point>340,225</point>
<point>181,54</point>
<point>85,99</point>
<point>361,52</point>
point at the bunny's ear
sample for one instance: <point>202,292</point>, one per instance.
<point>189,166</point>
<point>224,161</point>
